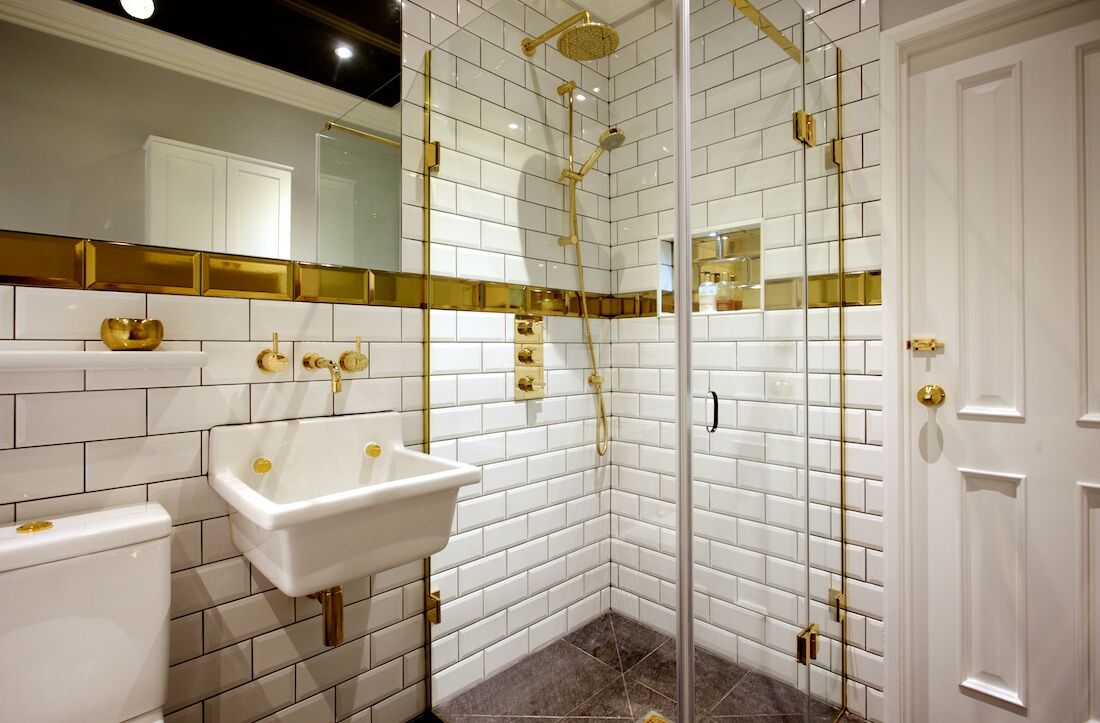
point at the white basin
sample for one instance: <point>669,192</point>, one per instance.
<point>327,513</point>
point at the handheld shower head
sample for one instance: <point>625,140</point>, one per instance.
<point>610,139</point>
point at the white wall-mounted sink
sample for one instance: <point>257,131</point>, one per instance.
<point>327,513</point>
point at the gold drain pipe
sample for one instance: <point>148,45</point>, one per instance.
<point>332,611</point>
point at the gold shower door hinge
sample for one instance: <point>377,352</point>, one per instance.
<point>804,127</point>
<point>837,152</point>
<point>431,155</point>
<point>434,607</point>
<point>807,644</point>
<point>837,604</point>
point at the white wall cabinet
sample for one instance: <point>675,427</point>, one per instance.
<point>208,200</point>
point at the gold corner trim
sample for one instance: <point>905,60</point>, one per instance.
<point>115,266</point>
<point>40,260</point>
<point>245,277</point>
<point>334,284</point>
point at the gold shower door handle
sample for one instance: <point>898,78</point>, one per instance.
<point>931,395</point>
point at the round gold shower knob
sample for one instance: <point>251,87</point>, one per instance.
<point>931,395</point>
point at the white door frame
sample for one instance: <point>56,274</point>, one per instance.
<point>898,47</point>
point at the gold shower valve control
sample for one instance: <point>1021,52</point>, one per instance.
<point>271,360</point>
<point>354,361</point>
<point>529,373</point>
<point>529,384</point>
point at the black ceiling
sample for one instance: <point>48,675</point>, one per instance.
<point>297,36</point>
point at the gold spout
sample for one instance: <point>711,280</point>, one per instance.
<point>332,612</point>
<point>315,362</point>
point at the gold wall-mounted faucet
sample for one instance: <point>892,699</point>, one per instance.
<point>315,362</point>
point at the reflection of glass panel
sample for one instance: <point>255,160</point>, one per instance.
<point>358,204</point>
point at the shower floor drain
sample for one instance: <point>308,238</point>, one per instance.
<point>654,718</point>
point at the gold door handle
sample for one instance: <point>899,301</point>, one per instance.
<point>931,395</point>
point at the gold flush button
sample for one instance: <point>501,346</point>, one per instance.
<point>32,527</point>
<point>372,450</point>
<point>261,465</point>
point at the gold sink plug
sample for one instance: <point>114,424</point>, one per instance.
<point>316,362</point>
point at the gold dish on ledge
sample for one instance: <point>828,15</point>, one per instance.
<point>131,334</point>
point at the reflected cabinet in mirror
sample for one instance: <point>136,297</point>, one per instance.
<point>269,128</point>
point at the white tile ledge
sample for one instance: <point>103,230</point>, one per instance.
<point>75,360</point>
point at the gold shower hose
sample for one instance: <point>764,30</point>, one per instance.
<point>595,379</point>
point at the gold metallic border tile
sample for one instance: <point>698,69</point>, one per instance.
<point>549,302</point>
<point>451,293</point>
<point>508,298</point>
<point>115,266</point>
<point>245,277</point>
<point>862,288</point>
<point>38,260</point>
<point>391,288</point>
<point>333,284</point>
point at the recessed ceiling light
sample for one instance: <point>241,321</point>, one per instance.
<point>140,9</point>
<point>514,126</point>
<point>595,90</point>
<point>343,52</point>
<point>581,96</point>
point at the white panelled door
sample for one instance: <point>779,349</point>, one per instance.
<point>1002,181</point>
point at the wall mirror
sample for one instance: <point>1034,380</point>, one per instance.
<point>269,128</point>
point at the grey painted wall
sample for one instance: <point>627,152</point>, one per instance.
<point>73,120</point>
<point>896,12</point>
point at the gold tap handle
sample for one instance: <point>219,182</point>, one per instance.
<point>270,360</point>
<point>354,361</point>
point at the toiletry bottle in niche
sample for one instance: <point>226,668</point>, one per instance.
<point>728,296</point>
<point>708,294</point>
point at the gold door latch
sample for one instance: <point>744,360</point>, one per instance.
<point>807,644</point>
<point>924,344</point>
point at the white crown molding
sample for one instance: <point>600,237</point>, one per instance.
<point>101,30</point>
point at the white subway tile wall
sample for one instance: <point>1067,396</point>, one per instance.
<point>71,442</point>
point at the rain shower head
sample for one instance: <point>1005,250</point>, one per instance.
<point>582,38</point>
<point>610,139</point>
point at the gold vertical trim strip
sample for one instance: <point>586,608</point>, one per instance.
<point>39,260</point>
<point>426,347</point>
<point>117,266</point>
<point>247,277</point>
<point>841,294</point>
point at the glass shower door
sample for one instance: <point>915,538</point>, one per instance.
<point>764,230</point>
